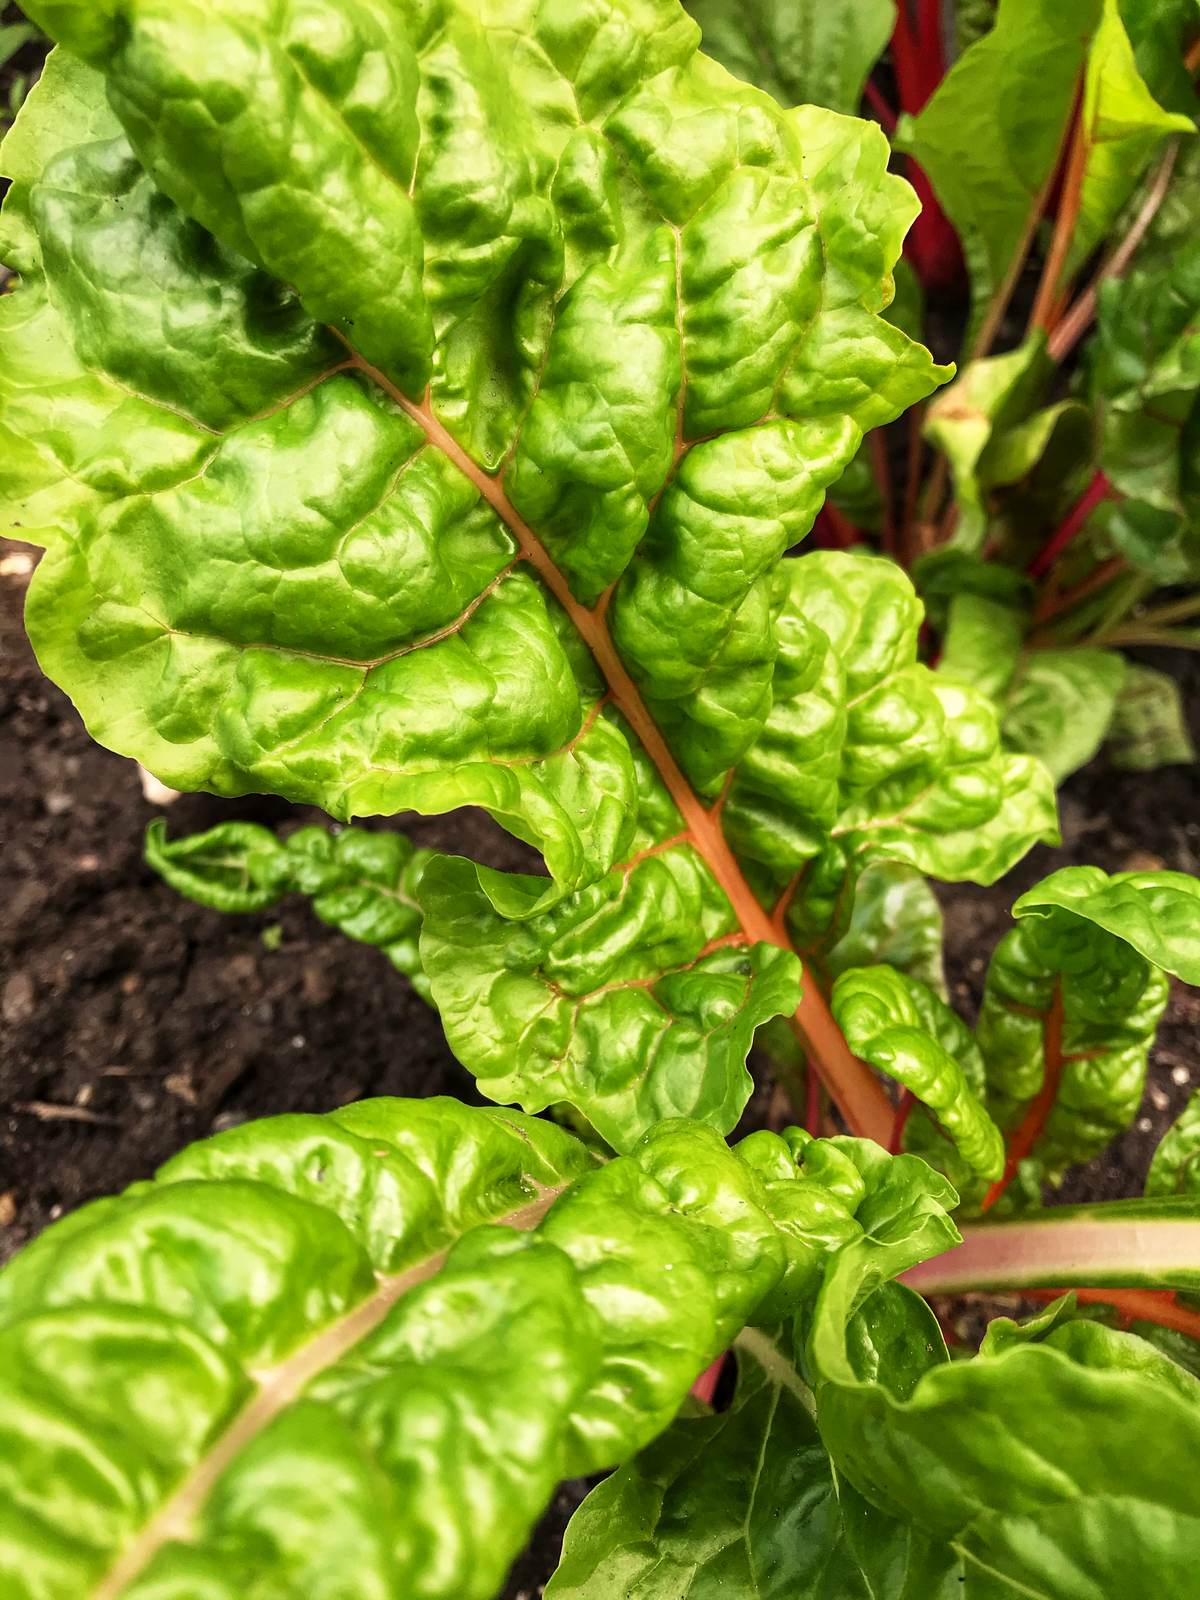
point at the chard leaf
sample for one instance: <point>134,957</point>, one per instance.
<point>295,598</point>
<point>363,884</point>
<point>1145,373</point>
<point>1175,1167</point>
<point>906,1031</point>
<point>982,643</point>
<point>634,1000</point>
<point>1149,725</point>
<point>745,1502</point>
<point>1125,127</point>
<point>991,133</point>
<point>1019,1456</point>
<point>1073,999</point>
<point>815,52</point>
<point>1060,706</point>
<point>868,755</point>
<point>896,919</point>
<point>306,1349</point>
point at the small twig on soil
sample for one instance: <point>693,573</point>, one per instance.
<point>48,1111</point>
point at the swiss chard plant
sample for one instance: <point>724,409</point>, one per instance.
<point>420,407</point>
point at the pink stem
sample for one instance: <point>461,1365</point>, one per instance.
<point>1097,491</point>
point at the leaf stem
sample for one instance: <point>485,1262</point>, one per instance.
<point>1045,305</point>
<point>878,103</point>
<point>1030,1130</point>
<point>1138,1305</point>
<point>859,1095</point>
<point>1098,490</point>
<point>1075,323</point>
<point>1053,605</point>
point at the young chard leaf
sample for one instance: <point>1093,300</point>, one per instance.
<point>815,52</point>
<point>1175,1166</point>
<point>1072,1001</point>
<point>746,1503</point>
<point>361,883</point>
<point>1149,724</point>
<point>898,1025</point>
<point>354,1370</point>
<point>1050,1504</point>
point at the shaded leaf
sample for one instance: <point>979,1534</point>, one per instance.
<point>1149,726</point>
<point>1060,706</point>
<point>363,884</point>
<point>1175,1167</point>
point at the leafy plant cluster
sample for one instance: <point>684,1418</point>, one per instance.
<point>421,407</point>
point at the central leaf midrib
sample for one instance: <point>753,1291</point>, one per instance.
<point>858,1094</point>
<point>279,1387</point>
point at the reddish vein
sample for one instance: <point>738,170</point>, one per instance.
<point>1139,1305</point>
<point>1030,1131</point>
<point>1097,491</point>
<point>859,1095</point>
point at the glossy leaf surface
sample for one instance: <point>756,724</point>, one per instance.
<point>1175,1167</point>
<point>745,1503</point>
<point>1020,1456</point>
<point>1060,706</point>
<point>1102,945</point>
<point>304,1351</point>
<point>361,883</point>
<point>898,1025</point>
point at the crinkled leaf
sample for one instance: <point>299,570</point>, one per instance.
<point>809,51</point>
<point>1100,944</point>
<point>1156,913</point>
<point>1019,1457</point>
<point>302,1356</point>
<point>1149,725</point>
<point>745,1503</point>
<point>896,1024</point>
<point>374,584</point>
<point>634,1000</point>
<point>1145,373</point>
<point>362,883</point>
<point>868,755</point>
<point>896,919</point>
<point>1060,706</point>
<point>1175,1167</point>
<point>991,133</point>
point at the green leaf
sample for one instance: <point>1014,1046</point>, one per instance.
<point>815,52</point>
<point>358,624</point>
<point>1156,913</point>
<point>1125,127</point>
<point>868,755</point>
<point>305,1350</point>
<point>1145,373</point>
<point>1175,1167</point>
<point>745,1503</point>
<point>1149,725</point>
<point>634,1000</point>
<point>896,919</point>
<point>364,884</point>
<point>1101,945</point>
<point>1018,1457</point>
<point>972,423</point>
<point>982,643</point>
<point>903,1029</point>
<point>991,133</point>
<point>1060,706</point>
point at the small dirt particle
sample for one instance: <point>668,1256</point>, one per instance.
<point>18,1001</point>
